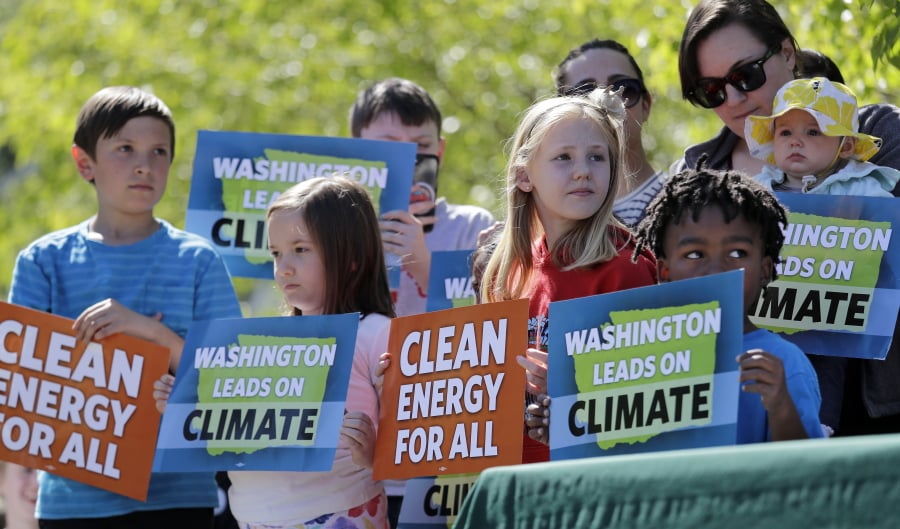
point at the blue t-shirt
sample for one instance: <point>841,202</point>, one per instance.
<point>172,272</point>
<point>802,384</point>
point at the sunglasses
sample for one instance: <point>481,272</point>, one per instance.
<point>632,89</point>
<point>709,92</point>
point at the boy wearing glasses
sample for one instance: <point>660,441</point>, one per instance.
<point>608,63</point>
<point>397,109</point>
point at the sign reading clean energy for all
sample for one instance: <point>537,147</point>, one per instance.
<point>82,410</point>
<point>452,396</point>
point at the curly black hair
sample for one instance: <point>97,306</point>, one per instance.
<point>693,189</point>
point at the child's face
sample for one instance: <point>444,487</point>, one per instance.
<point>299,266</point>
<point>800,147</point>
<point>568,175</point>
<point>387,126</point>
<point>710,246</point>
<point>131,168</point>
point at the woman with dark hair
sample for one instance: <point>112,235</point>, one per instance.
<point>733,58</point>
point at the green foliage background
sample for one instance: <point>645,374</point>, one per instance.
<point>294,66</point>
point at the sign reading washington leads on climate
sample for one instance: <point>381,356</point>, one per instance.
<point>259,394</point>
<point>837,290</point>
<point>236,175</point>
<point>450,282</point>
<point>646,369</point>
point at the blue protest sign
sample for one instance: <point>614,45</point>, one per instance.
<point>236,175</point>
<point>837,288</point>
<point>259,394</point>
<point>434,502</point>
<point>450,280</point>
<point>646,369</point>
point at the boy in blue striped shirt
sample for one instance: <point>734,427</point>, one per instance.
<point>125,271</point>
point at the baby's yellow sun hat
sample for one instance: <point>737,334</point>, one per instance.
<point>833,106</point>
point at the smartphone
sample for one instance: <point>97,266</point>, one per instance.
<point>425,183</point>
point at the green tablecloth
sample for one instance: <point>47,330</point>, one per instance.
<point>849,482</point>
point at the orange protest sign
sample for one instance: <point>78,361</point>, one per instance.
<point>453,396</point>
<point>81,410</point>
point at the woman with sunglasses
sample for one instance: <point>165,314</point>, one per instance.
<point>608,63</point>
<point>733,58</point>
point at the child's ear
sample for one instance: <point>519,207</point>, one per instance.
<point>848,147</point>
<point>662,271</point>
<point>522,180</point>
<point>83,163</point>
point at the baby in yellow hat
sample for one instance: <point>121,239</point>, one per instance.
<point>812,143</point>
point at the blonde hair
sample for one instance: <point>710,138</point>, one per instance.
<point>590,241</point>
